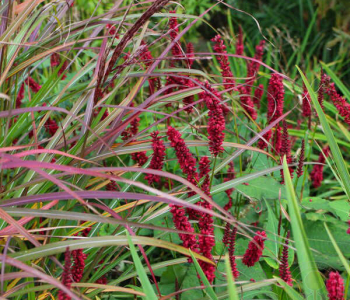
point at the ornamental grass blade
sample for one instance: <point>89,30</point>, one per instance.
<point>146,285</point>
<point>231,286</point>
<point>314,287</point>
<point>338,157</point>
<point>208,288</point>
<point>103,241</point>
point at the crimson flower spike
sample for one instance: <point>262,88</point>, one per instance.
<point>301,159</point>
<point>259,92</point>
<point>219,47</point>
<point>66,275</point>
<point>227,232</point>
<point>79,258</point>
<point>285,150</point>
<point>216,123</point>
<point>157,160</point>
<point>321,88</point>
<point>335,286</point>
<point>190,54</point>
<point>230,176</point>
<point>231,252</point>
<point>239,43</point>
<point>275,103</point>
<point>255,249</point>
<point>339,102</point>
<point>317,172</point>
<point>174,30</point>
<point>284,268</point>
<point>306,103</point>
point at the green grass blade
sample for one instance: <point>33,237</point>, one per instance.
<point>147,287</point>
<point>289,290</point>
<point>338,157</point>
<point>204,279</point>
<point>314,287</point>
<point>232,291</point>
<point>340,254</point>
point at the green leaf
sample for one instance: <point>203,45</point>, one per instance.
<point>204,279</point>
<point>336,247</point>
<point>271,244</point>
<point>147,287</point>
<point>232,291</point>
<point>341,209</point>
<point>289,290</point>
<point>314,287</point>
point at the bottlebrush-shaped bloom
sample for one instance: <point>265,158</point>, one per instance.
<point>231,253</point>
<point>219,47</point>
<point>285,150</point>
<point>33,85</point>
<point>216,123</point>
<point>255,249</point>
<point>259,92</point>
<point>275,98</point>
<point>111,186</point>
<point>112,30</point>
<point>317,172</point>
<point>306,103</point>
<point>227,234</point>
<point>185,158</point>
<point>147,58</point>
<point>157,160</point>
<point>139,157</point>
<point>181,222</point>
<point>253,67</point>
<point>277,139</point>
<point>51,126</point>
<point>174,30</point>
<point>239,43</point>
<point>20,96</point>
<point>79,264</point>
<point>320,94</point>
<point>189,99</point>
<point>55,60</point>
<point>335,286</point>
<point>247,102</point>
<point>284,268</point>
<point>204,166</point>
<point>339,102</point>
<point>66,275</point>
<point>190,54</point>
<point>300,170</point>
<point>230,176</point>
<point>263,143</point>
<point>206,227</point>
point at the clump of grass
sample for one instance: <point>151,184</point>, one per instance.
<point>114,134</point>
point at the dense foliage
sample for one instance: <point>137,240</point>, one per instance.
<point>142,159</point>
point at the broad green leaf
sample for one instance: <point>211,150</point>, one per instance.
<point>271,244</point>
<point>314,287</point>
<point>336,247</point>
